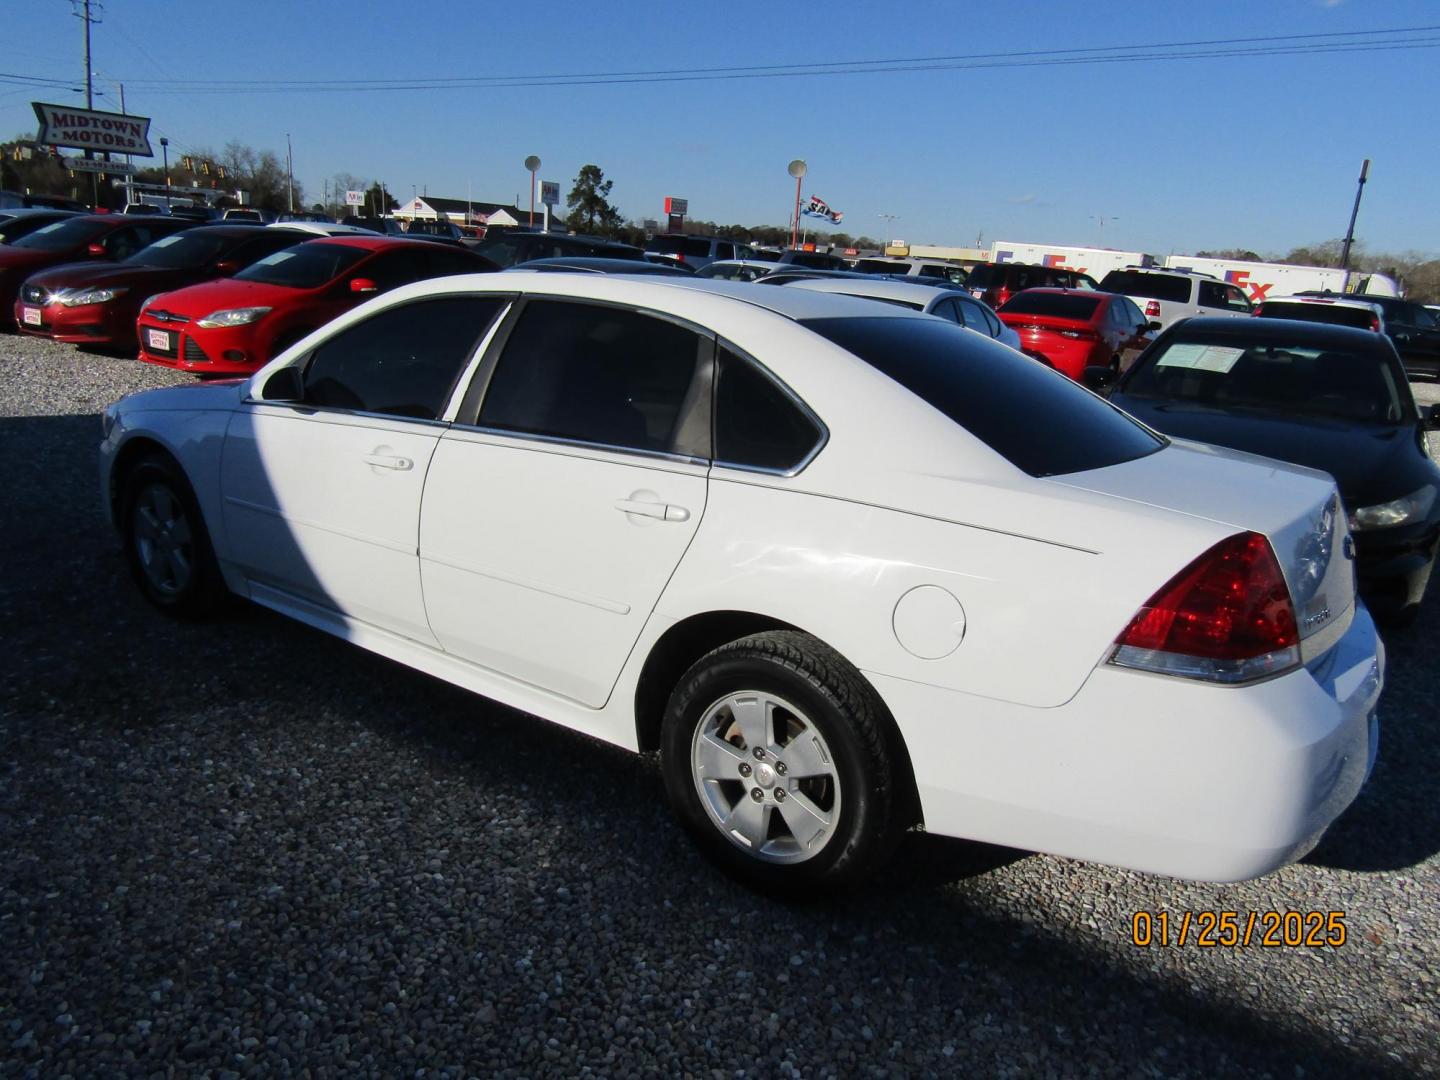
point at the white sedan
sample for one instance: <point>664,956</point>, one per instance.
<point>849,568</point>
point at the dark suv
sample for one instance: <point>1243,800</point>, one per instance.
<point>995,283</point>
<point>1413,328</point>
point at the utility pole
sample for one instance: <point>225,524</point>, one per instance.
<point>289,174</point>
<point>87,18</point>
<point>1354,213</point>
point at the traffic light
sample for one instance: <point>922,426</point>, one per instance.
<point>188,162</point>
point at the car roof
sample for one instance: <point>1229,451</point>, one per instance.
<point>1299,331</point>
<point>370,241</point>
<point>768,263</point>
<point>1324,301</point>
<point>915,291</point>
<point>597,264</point>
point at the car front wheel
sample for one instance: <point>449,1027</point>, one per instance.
<point>775,756</point>
<point>166,543</point>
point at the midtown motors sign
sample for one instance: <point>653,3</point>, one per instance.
<point>87,129</point>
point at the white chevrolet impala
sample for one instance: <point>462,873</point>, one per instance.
<point>849,569</point>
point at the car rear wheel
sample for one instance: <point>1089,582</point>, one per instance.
<point>775,756</point>
<point>166,543</point>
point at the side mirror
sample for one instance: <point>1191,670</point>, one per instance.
<point>363,285</point>
<point>227,267</point>
<point>95,251</point>
<point>1098,377</point>
<point>287,384</point>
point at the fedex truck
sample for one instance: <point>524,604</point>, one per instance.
<point>1262,280</point>
<point>1097,262</point>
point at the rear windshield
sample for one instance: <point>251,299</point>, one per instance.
<point>1280,376</point>
<point>305,267</point>
<point>1059,305</point>
<point>679,245</point>
<point>1038,420</point>
<point>179,250</point>
<point>1333,314</point>
<point>1169,287</point>
<point>982,276</point>
<point>61,236</point>
<point>879,266</point>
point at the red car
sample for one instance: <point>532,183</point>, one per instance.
<point>234,326</point>
<point>97,304</point>
<point>91,237</point>
<point>1071,330</point>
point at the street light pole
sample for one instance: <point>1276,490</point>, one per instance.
<point>289,174</point>
<point>533,164</point>
<point>1354,213</point>
<point>165,152</point>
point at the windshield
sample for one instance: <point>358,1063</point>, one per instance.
<point>1169,287</point>
<point>179,250</point>
<point>1038,420</point>
<point>305,267</point>
<point>1280,376</point>
<point>61,236</point>
<point>1056,305</point>
<point>1333,314</point>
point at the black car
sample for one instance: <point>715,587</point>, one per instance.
<point>1328,397</point>
<point>513,246</point>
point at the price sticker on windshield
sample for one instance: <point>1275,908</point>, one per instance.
<point>1218,358</point>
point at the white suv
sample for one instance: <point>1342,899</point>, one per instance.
<point>1166,296</point>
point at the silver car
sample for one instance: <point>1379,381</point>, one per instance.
<point>934,299</point>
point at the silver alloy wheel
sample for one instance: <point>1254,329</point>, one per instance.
<point>766,777</point>
<point>163,539</point>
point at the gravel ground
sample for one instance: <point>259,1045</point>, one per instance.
<point>244,847</point>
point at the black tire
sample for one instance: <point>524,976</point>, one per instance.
<point>831,700</point>
<point>169,552</point>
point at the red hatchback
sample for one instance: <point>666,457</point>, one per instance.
<point>96,304</point>
<point>234,326</point>
<point>90,237</point>
<point>1071,331</point>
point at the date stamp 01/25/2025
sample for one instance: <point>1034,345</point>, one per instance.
<point>1239,930</point>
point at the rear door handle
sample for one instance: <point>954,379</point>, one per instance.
<point>658,510</point>
<point>389,461</point>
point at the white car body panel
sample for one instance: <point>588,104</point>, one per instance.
<point>981,602</point>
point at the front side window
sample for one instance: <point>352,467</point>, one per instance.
<point>403,361</point>
<point>757,424</point>
<point>1235,299</point>
<point>599,375</point>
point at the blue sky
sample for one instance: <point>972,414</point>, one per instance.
<point>1235,151</point>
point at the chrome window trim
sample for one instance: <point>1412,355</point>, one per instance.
<point>578,444</point>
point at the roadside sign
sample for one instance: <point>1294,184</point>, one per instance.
<point>550,192</point>
<point>116,168</point>
<point>354,198</point>
<point>89,129</point>
<point>676,206</point>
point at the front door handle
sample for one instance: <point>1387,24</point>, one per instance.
<point>389,461</point>
<point>642,507</point>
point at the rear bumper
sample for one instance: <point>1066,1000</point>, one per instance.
<point>1150,772</point>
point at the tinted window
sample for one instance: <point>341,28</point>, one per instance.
<point>1059,305</point>
<point>180,250</point>
<point>878,266</point>
<point>403,361</point>
<point>594,374</point>
<point>1170,287</point>
<point>62,235</point>
<point>1039,421</point>
<point>307,266</point>
<point>756,423</point>
<point>973,316</point>
<point>947,309</point>
<point>1280,376</point>
<point>1334,314</point>
<point>680,245</point>
<point>724,250</point>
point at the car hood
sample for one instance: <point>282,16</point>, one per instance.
<point>197,301</point>
<point>97,275</point>
<point>223,395</point>
<point>1370,464</point>
<point>23,258</point>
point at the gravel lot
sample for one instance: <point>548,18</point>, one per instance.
<point>244,847</point>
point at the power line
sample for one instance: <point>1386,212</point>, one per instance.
<point>1393,39</point>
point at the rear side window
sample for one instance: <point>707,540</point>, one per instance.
<point>403,361</point>
<point>757,424</point>
<point>1168,287</point>
<point>597,375</point>
<point>1038,420</point>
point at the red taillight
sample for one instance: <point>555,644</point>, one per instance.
<point>1152,308</point>
<point>1227,617</point>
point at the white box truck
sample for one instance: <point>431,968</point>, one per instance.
<point>1097,262</point>
<point>1262,280</point>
